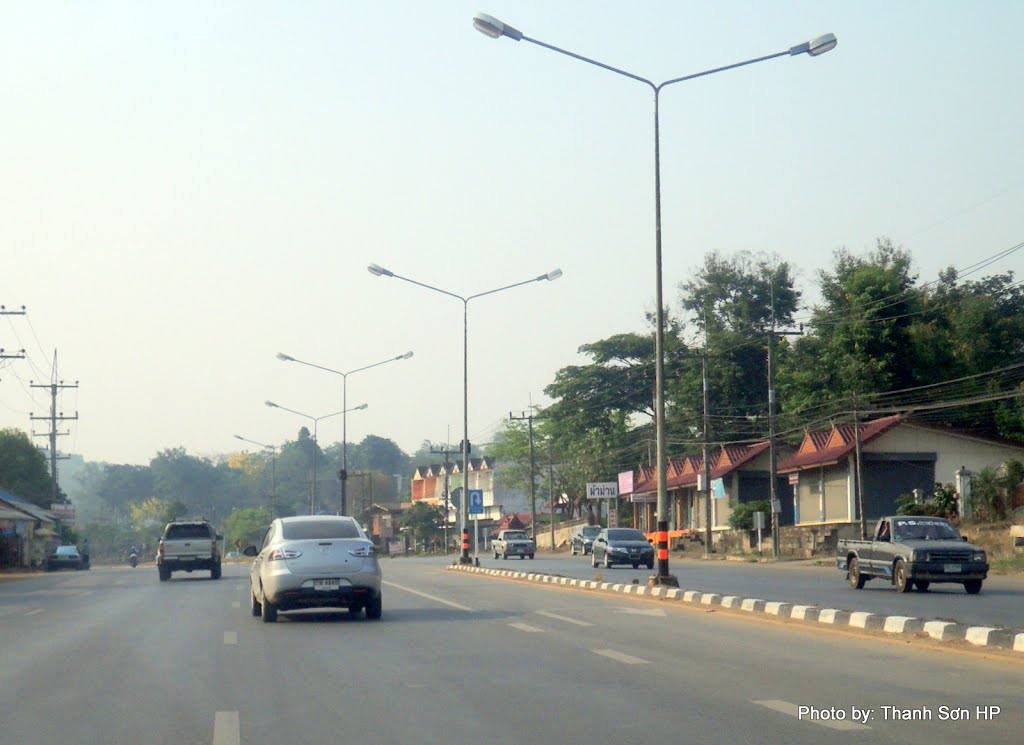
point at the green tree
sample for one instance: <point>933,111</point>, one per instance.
<point>246,527</point>
<point>425,521</point>
<point>23,470</point>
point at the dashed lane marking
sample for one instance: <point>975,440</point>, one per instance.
<point>785,707</point>
<point>236,604</point>
<point>429,597</point>
<point>656,612</point>
<point>225,728</point>
<point>566,619</point>
<point>231,637</point>
<point>526,627</point>
<point>626,659</point>
<point>34,612</point>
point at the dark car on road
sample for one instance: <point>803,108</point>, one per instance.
<point>622,546</point>
<point>583,539</point>
<point>64,557</point>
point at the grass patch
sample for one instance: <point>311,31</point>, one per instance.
<point>1014,565</point>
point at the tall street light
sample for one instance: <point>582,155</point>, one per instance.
<point>316,446</point>
<point>273,471</point>
<point>495,29</point>
<point>344,402</point>
<point>550,276</point>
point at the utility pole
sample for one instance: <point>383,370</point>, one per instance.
<point>707,459</point>
<point>773,458</point>
<point>446,452</point>
<point>551,494</point>
<point>857,476</point>
<point>54,387</point>
<point>533,486</point>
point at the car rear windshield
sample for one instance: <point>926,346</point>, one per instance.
<point>625,534</point>
<point>184,532</point>
<point>308,530</point>
<point>591,532</point>
<point>516,535</point>
<point>67,551</point>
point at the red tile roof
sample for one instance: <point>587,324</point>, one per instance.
<point>683,473</point>
<point>826,447</point>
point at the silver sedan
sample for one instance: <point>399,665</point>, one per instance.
<point>314,561</point>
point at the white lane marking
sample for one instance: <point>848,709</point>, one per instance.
<point>526,627</point>
<point>429,597</point>
<point>225,728</point>
<point>622,657</point>
<point>231,637</point>
<point>35,612</point>
<point>785,707</point>
<point>236,604</point>
<point>566,619</point>
<point>657,612</point>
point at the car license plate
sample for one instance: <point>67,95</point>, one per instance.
<point>952,568</point>
<point>326,584</point>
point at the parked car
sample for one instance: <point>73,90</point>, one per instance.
<point>913,551</point>
<point>622,546</point>
<point>314,561</point>
<point>64,557</point>
<point>583,539</point>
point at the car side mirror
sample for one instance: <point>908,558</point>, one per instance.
<point>964,539</point>
<point>250,551</point>
<point>220,537</point>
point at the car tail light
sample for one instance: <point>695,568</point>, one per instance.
<point>160,549</point>
<point>283,553</point>
<point>364,551</point>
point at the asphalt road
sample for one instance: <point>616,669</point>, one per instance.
<point>113,656</point>
<point>1000,604</point>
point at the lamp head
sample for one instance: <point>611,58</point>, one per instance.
<point>271,404</point>
<point>284,357</point>
<point>362,406</point>
<point>492,27</point>
<point>816,46</point>
<point>405,356</point>
<point>379,271</point>
<point>239,437</point>
<point>553,274</point>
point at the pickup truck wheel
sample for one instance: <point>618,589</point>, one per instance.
<point>973,586</point>
<point>636,564</point>
<point>215,571</point>
<point>857,579</point>
<point>165,574</point>
<point>921,585</point>
<point>531,557</point>
<point>900,578</point>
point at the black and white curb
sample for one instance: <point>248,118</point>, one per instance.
<point>979,636</point>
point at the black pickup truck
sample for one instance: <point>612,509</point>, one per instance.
<point>913,551</point>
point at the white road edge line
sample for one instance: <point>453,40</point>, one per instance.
<point>429,597</point>
<point>231,637</point>
<point>622,657</point>
<point>785,707</point>
<point>527,628</point>
<point>225,728</point>
<point>557,617</point>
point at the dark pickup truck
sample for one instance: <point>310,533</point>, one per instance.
<point>913,551</point>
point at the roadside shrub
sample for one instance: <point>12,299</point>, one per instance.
<point>742,517</point>
<point>942,503</point>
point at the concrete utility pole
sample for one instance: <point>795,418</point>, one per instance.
<point>54,387</point>
<point>706,454</point>
<point>533,485</point>
<point>446,452</point>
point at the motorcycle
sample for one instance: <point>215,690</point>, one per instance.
<point>133,559</point>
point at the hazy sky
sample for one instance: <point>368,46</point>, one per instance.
<point>187,188</point>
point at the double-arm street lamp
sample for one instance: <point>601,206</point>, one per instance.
<point>316,446</point>
<point>344,419</point>
<point>382,272</point>
<point>273,471</point>
<point>495,29</point>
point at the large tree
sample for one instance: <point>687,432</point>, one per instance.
<point>23,470</point>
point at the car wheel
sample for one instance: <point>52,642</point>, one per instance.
<point>375,608</point>
<point>165,574</point>
<point>254,604</point>
<point>973,586</point>
<point>495,554</point>
<point>854,576</point>
<point>531,557</point>
<point>650,565</point>
<point>921,585</point>
<point>636,564</point>
<point>215,572</point>
<point>900,578</point>
<point>504,557</point>
<point>268,612</point>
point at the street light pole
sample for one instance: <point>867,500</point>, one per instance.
<point>380,271</point>
<point>344,404</point>
<point>273,471</point>
<point>492,27</point>
<point>316,445</point>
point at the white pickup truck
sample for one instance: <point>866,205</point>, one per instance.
<point>188,544</point>
<point>514,543</point>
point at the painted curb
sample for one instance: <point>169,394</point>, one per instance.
<point>978,636</point>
